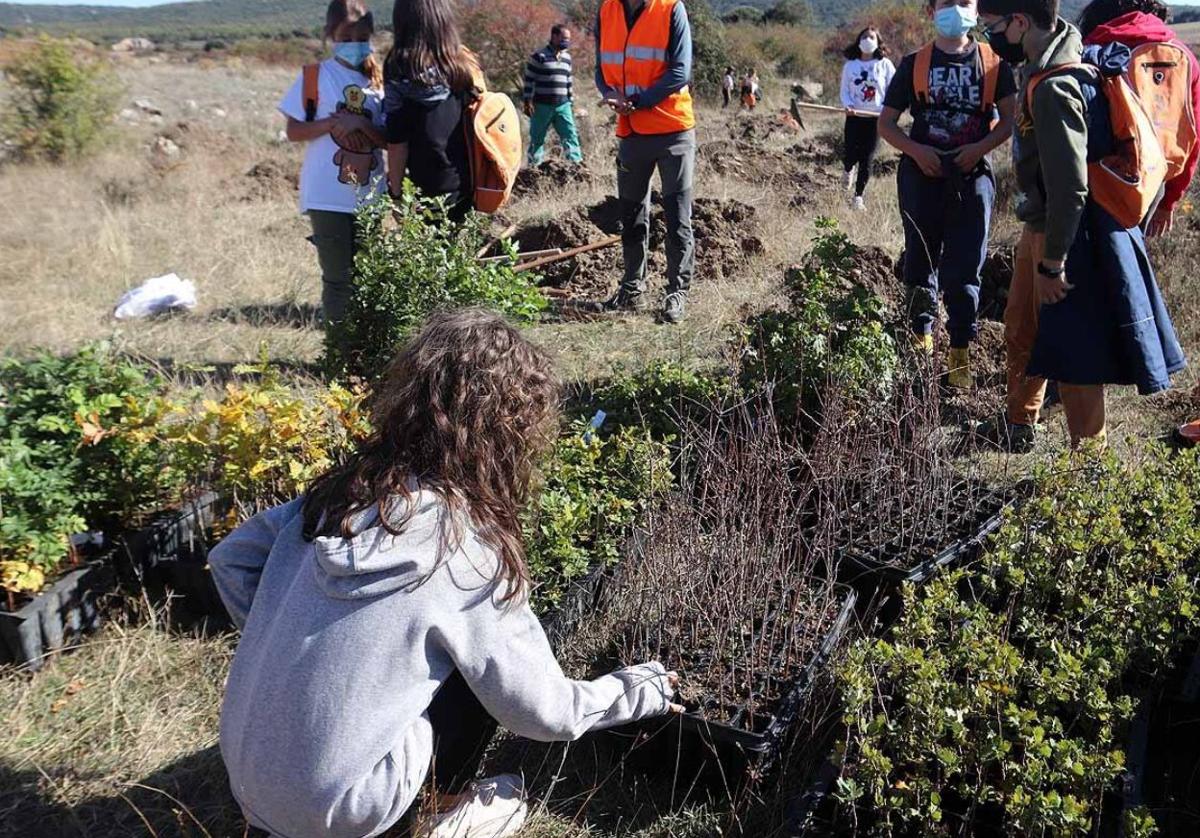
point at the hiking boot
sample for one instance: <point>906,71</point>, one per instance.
<point>922,344</point>
<point>624,300</point>
<point>960,369</point>
<point>858,205</point>
<point>491,808</point>
<point>1004,435</point>
<point>673,307</point>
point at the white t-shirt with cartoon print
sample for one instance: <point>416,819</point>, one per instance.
<point>337,178</point>
<point>864,83</point>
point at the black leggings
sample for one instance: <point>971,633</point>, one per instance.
<point>462,730</point>
<point>862,138</point>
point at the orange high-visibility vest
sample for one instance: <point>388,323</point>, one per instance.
<point>632,61</point>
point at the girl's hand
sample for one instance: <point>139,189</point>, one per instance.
<point>346,123</point>
<point>673,683</point>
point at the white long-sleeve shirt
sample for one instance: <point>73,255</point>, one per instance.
<point>864,83</point>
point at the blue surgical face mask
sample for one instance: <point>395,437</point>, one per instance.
<point>955,21</point>
<point>354,53</point>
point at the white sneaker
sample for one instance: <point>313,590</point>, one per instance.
<point>491,808</point>
<point>859,204</point>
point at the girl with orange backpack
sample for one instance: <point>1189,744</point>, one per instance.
<point>336,109</point>
<point>1166,76</point>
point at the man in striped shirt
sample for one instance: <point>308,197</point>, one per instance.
<point>548,97</point>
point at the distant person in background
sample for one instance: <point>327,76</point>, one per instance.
<point>1167,81</point>
<point>336,108</point>
<point>643,72</point>
<point>751,92</point>
<point>428,77</point>
<point>962,97</point>
<point>549,97</point>
<point>865,79</point>
<point>727,85</point>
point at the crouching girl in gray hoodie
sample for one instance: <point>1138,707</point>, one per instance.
<point>384,615</point>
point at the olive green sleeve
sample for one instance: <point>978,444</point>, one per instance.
<point>1060,125</point>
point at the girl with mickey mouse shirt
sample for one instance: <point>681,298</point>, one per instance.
<point>343,130</point>
<point>865,79</point>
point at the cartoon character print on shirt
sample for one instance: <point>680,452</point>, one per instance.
<point>866,87</point>
<point>355,157</point>
<point>955,93</point>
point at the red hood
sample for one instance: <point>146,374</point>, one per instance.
<point>1132,30</point>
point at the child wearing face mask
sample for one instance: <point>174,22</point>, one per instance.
<point>865,79</point>
<point>336,108</point>
<point>962,99</point>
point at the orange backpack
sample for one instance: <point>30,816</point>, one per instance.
<point>1126,182</point>
<point>1161,75</point>
<point>310,88</point>
<point>493,147</point>
<point>991,75</point>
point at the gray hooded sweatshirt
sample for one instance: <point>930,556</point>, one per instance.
<point>344,642</point>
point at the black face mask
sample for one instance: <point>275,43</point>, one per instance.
<point>1006,49</point>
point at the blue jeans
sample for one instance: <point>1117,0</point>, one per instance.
<point>946,226</point>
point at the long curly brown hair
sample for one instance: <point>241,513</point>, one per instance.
<point>463,410</point>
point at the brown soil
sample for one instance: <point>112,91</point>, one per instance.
<point>726,236</point>
<point>874,270</point>
<point>553,174</point>
<point>265,180</point>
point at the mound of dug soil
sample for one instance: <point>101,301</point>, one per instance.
<point>725,231</point>
<point>553,174</point>
<point>267,179</point>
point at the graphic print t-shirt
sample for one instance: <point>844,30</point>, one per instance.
<point>864,83</point>
<point>338,177</point>
<point>953,117</point>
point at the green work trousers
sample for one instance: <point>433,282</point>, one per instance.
<point>333,235</point>
<point>562,117</point>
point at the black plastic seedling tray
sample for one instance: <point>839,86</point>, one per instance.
<point>69,608</point>
<point>894,562</point>
<point>170,559</point>
<point>726,751</point>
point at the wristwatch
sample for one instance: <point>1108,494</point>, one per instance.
<point>1053,273</point>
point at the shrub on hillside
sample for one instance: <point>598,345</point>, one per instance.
<point>61,103</point>
<point>411,262</point>
<point>903,26</point>
<point>781,51</point>
<point>832,333</point>
<point>660,396</point>
<point>1000,700</point>
<point>710,50</point>
<point>503,33</point>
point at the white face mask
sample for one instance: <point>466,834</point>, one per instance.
<point>868,45</point>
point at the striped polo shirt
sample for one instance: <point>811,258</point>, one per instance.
<point>548,77</point>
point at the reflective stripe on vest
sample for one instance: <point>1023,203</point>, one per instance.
<point>633,61</point>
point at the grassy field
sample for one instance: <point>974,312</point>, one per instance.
<point>118,737</point>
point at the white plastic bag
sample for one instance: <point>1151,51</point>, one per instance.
<point>162,293</point>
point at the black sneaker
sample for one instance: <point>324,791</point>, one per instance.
<point>1004,435</point>
<point>623,300</point>
<point>673,307</point>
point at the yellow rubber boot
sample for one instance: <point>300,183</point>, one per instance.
<point>922,344</point>
<point>960,369</point>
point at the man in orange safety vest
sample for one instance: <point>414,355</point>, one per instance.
<point>643,71</point>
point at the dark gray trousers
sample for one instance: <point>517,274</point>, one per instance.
<point>674,155</point>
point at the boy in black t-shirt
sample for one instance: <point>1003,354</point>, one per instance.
<point>962,99</point>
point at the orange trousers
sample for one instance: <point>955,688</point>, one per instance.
<point>1083,404</point>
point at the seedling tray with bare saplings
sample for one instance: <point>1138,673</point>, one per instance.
<point>723,589</point>
<point>906,533</point>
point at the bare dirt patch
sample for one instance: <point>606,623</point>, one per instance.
<point>267,180</point>
<point>553,174</point>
